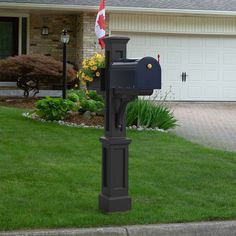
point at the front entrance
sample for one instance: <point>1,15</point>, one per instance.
<point>8,36</point>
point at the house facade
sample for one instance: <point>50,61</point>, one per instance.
<point>195,39</point>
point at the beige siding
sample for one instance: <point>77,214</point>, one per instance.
<point>173,24</point>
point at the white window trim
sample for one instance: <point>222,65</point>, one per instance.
<point>20,36</point>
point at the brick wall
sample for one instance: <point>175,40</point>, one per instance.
<point>50,44</point>
<point>87,41</point>
<point>83,42</point>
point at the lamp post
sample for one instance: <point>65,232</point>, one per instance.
<point>65,37</point>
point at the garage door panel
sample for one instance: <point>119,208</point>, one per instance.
<point>229,76</point>
<point>213,93</point>
<point>212,42</point>
<point>195,75</point>
<point>194,92</point>
<point>138,40</point>
<point>229,43</point>
<point>156,42</point>
<point>137,52</point>
<point>195,43</point>
<point>212,58</point>
<point>172,42</point>
<point>174,58</point>
<point>229,58</point>
<point>229,92</point>
<point>209,62</point>
<point>153,53</point>
<point>211,75</point>
<point>195,58</point>
<point>174,75</point>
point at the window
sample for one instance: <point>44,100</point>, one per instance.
<point>9,35</point>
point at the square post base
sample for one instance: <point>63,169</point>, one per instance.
<point>114,204</point>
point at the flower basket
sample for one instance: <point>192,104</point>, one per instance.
<point>98,82</point>
<point>92,72</point>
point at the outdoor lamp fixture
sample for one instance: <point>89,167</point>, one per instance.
<point>65,37</point>
<point>44,30</point>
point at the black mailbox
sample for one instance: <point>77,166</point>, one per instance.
<point>123,81</point>
<point>137,74</point>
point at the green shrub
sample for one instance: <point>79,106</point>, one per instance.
<point>146,113</point>
<point>92,94</point>
<point>88,101</point>
<point>78,92</point>
<point>73,97</point>
<point>89,94</point>
<point>88,105</point>
<point>54,108</point>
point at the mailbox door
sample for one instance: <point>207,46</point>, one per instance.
<point>122,75</point>
<point>148,74</point>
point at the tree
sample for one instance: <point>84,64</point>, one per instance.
<point>29,70</point>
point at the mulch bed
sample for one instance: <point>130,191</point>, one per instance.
<point>18,102</point>
<point>29,103</point>
<point>78,119</point>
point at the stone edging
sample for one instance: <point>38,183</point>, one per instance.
<point>61,122</point>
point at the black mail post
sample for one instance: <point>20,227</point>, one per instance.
<point>124,80</point>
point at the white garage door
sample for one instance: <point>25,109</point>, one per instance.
<point>208,61</point>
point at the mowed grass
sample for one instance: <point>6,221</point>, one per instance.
<point>50,177</point>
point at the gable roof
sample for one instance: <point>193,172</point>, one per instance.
<point>195,5</point>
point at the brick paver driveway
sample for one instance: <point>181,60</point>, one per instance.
<point>209,124</point>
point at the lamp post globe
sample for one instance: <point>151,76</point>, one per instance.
<point>65,37</point>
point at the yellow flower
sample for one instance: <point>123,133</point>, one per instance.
<point>83,82</point>
<point>97,74</point>
<point>84,62</point>
<point>91,63</point>
<point>88,78</point>
<point>98,56</point>
<point>94,68</point>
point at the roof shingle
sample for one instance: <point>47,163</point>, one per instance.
<point>216,5</point>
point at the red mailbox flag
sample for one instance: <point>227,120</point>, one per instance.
<point>100,24</point>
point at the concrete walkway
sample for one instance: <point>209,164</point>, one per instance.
<point>223,228</point>
<point>209,124</point>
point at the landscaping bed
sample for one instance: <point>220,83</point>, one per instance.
<point>29,103</point>
<point>18,102</point>
<point>51,177</point>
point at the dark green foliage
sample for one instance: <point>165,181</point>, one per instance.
<point>92,94</point>
<point>88,101</point>
<point>73,97</point>
<point>54,108</point>
<point>89,94</point>
<point>79,92</point>
<point>148,114</point>
<point>88,105</point>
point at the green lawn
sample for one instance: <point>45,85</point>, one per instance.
<point>50,177</point>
